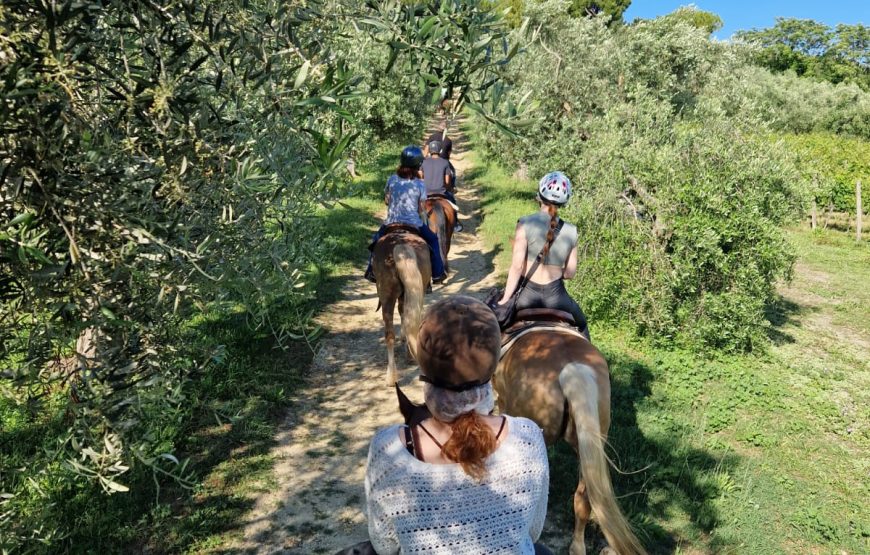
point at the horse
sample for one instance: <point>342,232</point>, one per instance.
<point>441,220</point>
<point>402,270</point>
<point>562,382</point>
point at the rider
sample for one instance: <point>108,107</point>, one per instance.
<point>405,197</point>
<point>462,481</point>
<point>439,178</point>
<point>546,287</point>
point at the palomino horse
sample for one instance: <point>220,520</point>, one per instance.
<point>402,270</point>
<point>562,382</point>
<point>441,219</point>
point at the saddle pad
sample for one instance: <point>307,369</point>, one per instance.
<point>553,329</point>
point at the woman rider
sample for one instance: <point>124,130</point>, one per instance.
<point>462,481</point>
<point>546,287</point>
<point>405,196</point>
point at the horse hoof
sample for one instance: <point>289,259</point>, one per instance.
<point>608,551</point>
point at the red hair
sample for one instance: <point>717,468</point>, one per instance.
<point>470,443</point>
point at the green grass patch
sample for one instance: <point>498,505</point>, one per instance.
<point>763,453</point>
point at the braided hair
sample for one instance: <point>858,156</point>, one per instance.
<point>553,210</point>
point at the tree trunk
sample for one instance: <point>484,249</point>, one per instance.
<point>813,216</point>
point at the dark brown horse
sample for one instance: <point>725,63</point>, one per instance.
<point>402,270</point>
<point>441,219</point>
<point>562,382</point>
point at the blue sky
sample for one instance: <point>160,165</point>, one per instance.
<point>748,14</point>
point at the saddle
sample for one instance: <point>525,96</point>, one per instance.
<point>396,228</point>
<point>528,318</point>
<point>434,197</point>
<point>400,228</point>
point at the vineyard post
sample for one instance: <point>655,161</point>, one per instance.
<point>813,215</point>
<point>858,210</point>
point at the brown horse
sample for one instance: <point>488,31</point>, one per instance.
<point>562,382</point>
<point>402,270</point>
<point>441,219</point>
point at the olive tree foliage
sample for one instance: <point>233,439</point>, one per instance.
<point>678,205</point>
<point>456,50</point>
<point>832,164</point>
<point>160,159</point>
<point>790,103</point>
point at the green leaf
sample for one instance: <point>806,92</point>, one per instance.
<point>302,75</point>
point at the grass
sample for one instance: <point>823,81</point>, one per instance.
<point>228,437</point>
<point>764,453</point>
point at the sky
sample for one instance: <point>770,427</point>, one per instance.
<point>747,14</point>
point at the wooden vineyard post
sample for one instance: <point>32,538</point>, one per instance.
<point>859,211</point>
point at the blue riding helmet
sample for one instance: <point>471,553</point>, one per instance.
<point>412,157</point>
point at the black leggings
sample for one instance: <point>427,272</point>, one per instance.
<point>553,295</point>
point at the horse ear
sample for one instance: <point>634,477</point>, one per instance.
<point>411,412</point>
<point>406,407</point>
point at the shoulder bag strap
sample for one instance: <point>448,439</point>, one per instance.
<point>538,260</point>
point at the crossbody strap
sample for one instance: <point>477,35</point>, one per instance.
<point>538,260</point>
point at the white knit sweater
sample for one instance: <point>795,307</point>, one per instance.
<point>419,507</point>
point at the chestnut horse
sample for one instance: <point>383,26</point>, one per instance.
<point>441,219</point>
<point>562,382</point>
<point>402,269</point>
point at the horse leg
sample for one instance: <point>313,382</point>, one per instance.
<point>390,335</point>
<point>402,317</point>
<point>582,510</point>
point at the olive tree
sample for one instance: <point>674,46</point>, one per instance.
<point>159,159</point>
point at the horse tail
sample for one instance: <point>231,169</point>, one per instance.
<point>581,390</point>
<point>412,283</point>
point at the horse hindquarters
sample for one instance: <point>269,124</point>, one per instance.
<point>580,387</point>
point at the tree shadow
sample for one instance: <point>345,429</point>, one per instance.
<point>783,313</point>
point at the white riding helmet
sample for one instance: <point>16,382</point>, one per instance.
<point>555,187</point>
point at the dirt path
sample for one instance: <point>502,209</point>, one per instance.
<point>317,505</point>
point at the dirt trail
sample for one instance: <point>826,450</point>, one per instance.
<point>317,505</point>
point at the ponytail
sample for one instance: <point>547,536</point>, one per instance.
<point>554,221</point>
<point>470,443</point>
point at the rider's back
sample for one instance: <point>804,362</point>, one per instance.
<point>437,508</point>
<point>536,226</point>
<point>434,169</point>
<point>405,197</point>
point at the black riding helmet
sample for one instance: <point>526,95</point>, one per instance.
<point>435,147</point>
<point>412,157</point>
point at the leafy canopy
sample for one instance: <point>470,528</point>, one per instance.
<point>814,50</point>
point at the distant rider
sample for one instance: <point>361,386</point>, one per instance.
<point>405,196</point>
<point>440,177</point>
